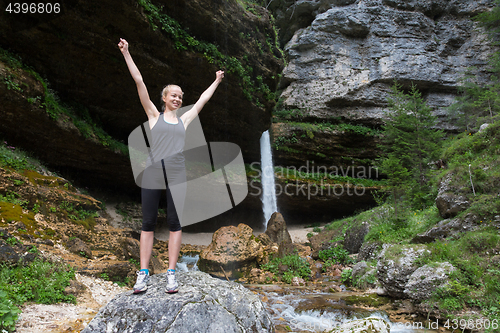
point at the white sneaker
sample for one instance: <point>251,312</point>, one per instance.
<point>172,286</point>
<point>141,284</point>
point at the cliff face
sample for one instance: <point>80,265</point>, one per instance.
<point>76,52</point>
<point>344,56</point>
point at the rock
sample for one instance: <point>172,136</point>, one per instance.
<point>366,325</point>
<point>395,265</point>
<point>447,228</point>
<point>483,127</point>
<point>359,270</point>
<point>131,250</point>
<point>424,281</point>
<point>369,250</point>
<point>203,304</point>
<point>43,48</point>
<point>448,202</point>
<point>232,252</point>
<point>355,237</point>
<point>296,281</point>
<point>276,229</point>
<point>264,239</point>
<point>77,246</point>
<point>8,254</point>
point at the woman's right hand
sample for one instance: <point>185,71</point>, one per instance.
<point>123,45</point>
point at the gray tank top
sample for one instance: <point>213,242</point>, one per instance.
<point>167,143</point>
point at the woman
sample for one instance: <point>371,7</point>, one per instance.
<point>168,131</point>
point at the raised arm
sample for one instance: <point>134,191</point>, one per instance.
<point>204,98</point>
<point>149,107</point>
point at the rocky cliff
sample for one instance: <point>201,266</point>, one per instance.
<point>75,52</point>
<point>344,55</point>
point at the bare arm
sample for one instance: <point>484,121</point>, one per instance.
<point>204,98</point>
<point>148,106</point>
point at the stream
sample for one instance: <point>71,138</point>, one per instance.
<point>305,309</point>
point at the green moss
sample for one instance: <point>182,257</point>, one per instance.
<point>10,212</point>
<point>371,300</point>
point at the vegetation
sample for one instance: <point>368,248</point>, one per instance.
<point>38,281</point>
<point>411,143</point>
<point>288,267</point>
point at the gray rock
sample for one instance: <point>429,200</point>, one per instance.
<point>369,250</point>
<point>355,237</point>
<point>77,246</point>
<point>395,265</point>
<point>203,304</point>
<point>483,127</point>
<point>448,201</point>
<point>426,279</point>
<point>343,60</point>
<point>447,228</point>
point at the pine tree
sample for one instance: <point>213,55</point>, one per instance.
<point>411,142</point>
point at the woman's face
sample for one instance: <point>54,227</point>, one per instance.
<point>173,98</point>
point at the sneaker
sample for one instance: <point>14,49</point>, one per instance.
<point>172,286</point>
<point>142,282</point>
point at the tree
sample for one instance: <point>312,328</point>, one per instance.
<point>411,143</point>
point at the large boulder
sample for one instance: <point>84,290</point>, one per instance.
<point>232,252</point>
<point>395,266</point>
<point>203,304</point>
<point>278,233</point>
<point>426,279</point>
<point>448,201</point>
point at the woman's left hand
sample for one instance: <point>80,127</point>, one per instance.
<point>219,75</point>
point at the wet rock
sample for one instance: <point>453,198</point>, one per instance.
<point>424,281</point>
<point>366,325</point>
<point>203,304</point>
<point>395,265</point>
<point>232,252</point>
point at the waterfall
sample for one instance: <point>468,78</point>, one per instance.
<point>267,178</point>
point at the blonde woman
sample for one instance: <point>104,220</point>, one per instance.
<point>168,133</point>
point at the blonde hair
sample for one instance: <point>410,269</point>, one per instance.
<point>164,93</point>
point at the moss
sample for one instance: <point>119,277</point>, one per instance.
<point>10,212</point>
<point>371,300</point>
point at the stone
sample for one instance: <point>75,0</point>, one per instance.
<point>369,250</point>
<point>424,281</point>
<point>276,229</point>
<point>483,127</point>
<point>203,304</point>
<point>448,202</point>
<point>77,246</point>
<point>131,250</point>
<point>355,237</point>
<point>232,252</point>
<point>365,325</point>
<point>395,265</point>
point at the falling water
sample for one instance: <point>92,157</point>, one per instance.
<point>268,187</point>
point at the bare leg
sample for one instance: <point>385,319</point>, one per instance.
<point>147,239</point>
<point>174,247</point>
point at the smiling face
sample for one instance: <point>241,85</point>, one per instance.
<point>172,97</point>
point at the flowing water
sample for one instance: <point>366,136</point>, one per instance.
<point>267,178</point>
<point>304,309</point>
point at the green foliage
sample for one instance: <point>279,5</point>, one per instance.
<point>410,143</point>
<point>288,267</point>
<point>334,255</point>
<point>16,158</point>
<point>346,276</point>
<point>39,281</point>
<point>8,313</point>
